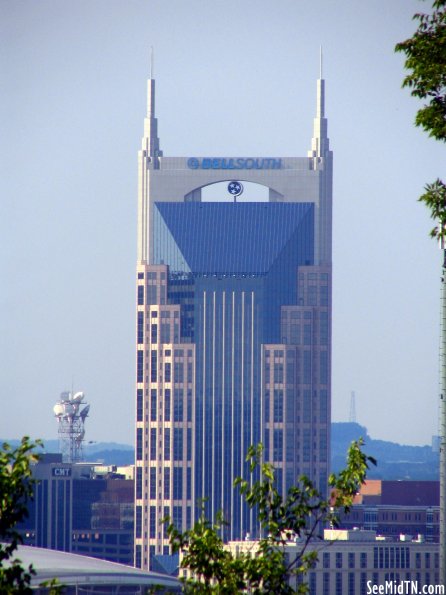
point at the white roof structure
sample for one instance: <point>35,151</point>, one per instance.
<point>82,574</point>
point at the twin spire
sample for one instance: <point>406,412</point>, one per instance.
<point>320,143</point>
<point>150,141</point>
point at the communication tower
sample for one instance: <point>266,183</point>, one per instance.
<point>352,418</point>
<point>71,421</point>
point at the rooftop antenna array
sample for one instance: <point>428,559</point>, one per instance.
<point>71,412</point>
<point>352,418</point>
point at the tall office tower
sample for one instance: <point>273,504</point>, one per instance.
<point>233,330</point>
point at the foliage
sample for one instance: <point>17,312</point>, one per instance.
<point>16,489</point>
<point>296,517</point>
<point>426,62</point>
<point>434,198</point>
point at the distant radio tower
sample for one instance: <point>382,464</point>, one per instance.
<point>71,425</point>
<point>352,418</point>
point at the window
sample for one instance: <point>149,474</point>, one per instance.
<point>278,405</point>
<point>307,446</point>
<point>323,405</point>
<point>324,367</point>
<point>139,444</point>
<point>177,483</point>
<point>178,405</point>
<point>151,294</point>
<point>290,371</point>
<point>140,330</point>
<point>178,444</point>
<point>152,484</point>
<point>177,517</point>
<point>188,487</point>
<point>278,373</point>
<point>153,365</point>
<point>139,482</point>
<point>189,445</point>
<point>323,446</point>
<point>294,333</point>
<point>307,406</point>
<point>307,367</point>
<point>338,559</point>
<point>167,444</point>
<point>167,372</point>
<point>138,522</point>
<point>339,583</point>
<point>140,366</point>
<point>323,295</point>
<point>326,584</point>
<point>166,482</point>
<point>351,583</point>
<point>267,405</point>
<point>153,444</point>
<point>139,405</point>
<point>189,405</point>
<point>323,328</point>
<point>140,295</point>
<point>363,560</point>
<point>165,332</point>
<point>167,404</point>
<point>278,445</point>
<point>178,372</point>
<point>153,404</point>
<point>152,522</point>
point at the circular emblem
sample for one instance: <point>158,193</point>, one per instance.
<point>193,163</point>
<point>235,188</point>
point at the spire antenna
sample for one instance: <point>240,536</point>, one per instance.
<point>320,62</point>
<point>151,62</point>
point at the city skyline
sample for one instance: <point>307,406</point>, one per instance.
<point>74,109</point>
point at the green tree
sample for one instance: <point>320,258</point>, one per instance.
<point>16,490</point>
<point>426,65</point>
<point>297,516</point>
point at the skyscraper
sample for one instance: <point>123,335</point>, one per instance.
<point>233,330</point>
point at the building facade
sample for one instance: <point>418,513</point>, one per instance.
<point>233,331</point>
<point>78,509</point>
<point>392,508</point>
<point>358,562</point>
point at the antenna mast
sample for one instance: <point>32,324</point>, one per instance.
<point>71,420</point>
<point>352,418</point>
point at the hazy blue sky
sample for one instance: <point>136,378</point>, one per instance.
<point>234,77</point>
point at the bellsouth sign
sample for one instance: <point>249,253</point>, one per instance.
<point>234,163</point>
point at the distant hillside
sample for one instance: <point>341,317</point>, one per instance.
<point>106,453</point>
<point>395,461</point>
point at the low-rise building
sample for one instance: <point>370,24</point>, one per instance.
<point>83,508</point>
<point>358,562</point>
<point>392,508</point>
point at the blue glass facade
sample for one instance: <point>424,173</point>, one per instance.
<point>231,267</point>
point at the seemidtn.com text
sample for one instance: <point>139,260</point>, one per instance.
<point>404,588</point>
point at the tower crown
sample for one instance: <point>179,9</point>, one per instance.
<point>320,142</point>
